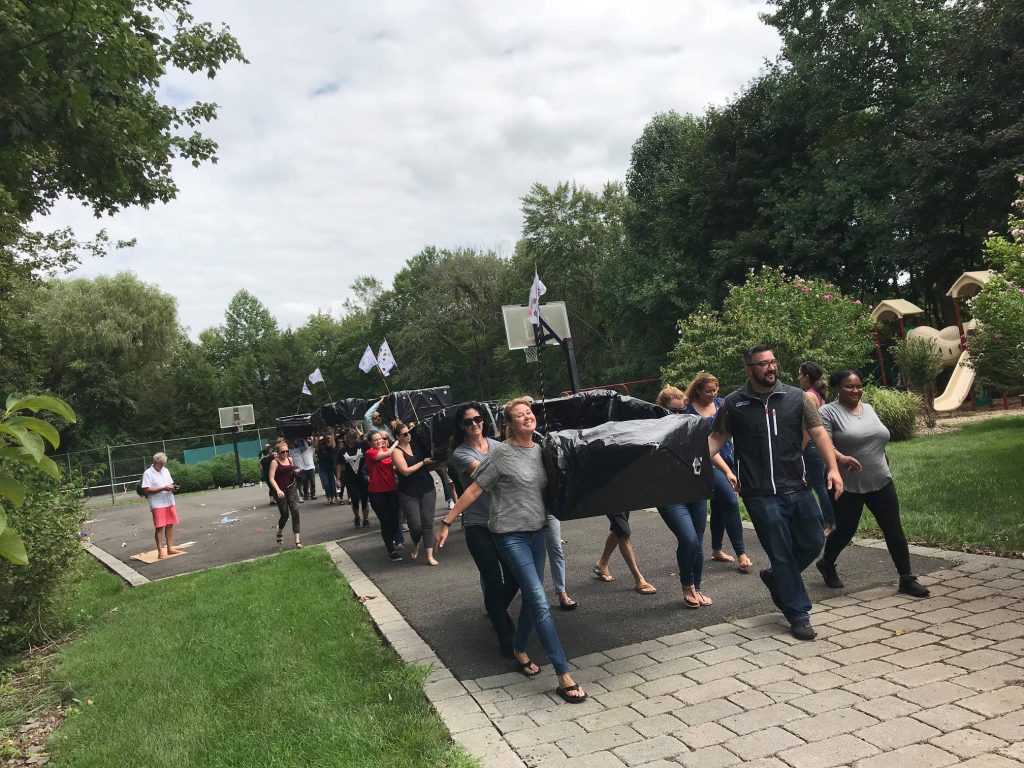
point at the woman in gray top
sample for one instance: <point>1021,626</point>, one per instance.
<point>860,438</point>
<point>514,474</point>
<point>496,578</point>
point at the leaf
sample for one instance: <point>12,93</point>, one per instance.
<point>12,547</point>
<point>12,489</point>
<point>23,455</point>
<point>3,518</point>
<point>43,403</point>
<point>40,427</point>
<point>30,441</point>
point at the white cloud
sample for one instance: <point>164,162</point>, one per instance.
<point>361,132</point>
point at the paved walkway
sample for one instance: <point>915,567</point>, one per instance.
<point>890,681</point>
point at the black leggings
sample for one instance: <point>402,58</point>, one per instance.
<point>497,580</point>
<point>884,504</point>
<point>357,492</point>
<point>385,506</point>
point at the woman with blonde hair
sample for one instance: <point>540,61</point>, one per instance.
<point>703,401</point>
<point>283,481</point>
<point>514,474</point>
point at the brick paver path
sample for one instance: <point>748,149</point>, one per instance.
<point>890,682</point>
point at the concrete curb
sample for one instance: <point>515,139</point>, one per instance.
<point>130,575</point>
<point>466,721</point>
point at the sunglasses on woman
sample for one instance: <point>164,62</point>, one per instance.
<point>471,420</point>
<point>404,434</point>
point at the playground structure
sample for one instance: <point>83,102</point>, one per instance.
<point>951,341</point>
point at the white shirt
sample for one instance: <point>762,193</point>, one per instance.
<point>151,478</point>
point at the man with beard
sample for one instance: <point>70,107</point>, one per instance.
<point>767,420</point>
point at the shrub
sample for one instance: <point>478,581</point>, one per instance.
<point>920,362</point>
<point>801,319</point>
<point>251,471</point>
<point>48,523</point>
<point>191,477</point>
<point>897,410</point>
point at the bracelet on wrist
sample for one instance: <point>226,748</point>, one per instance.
<point>445,523</point>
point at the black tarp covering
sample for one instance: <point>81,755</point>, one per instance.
<point>434,435</point>
<point>626,465</point>
<point>341,412</point>
<point>415,404</point>
<point>591,409</point>
<point>299,425</point>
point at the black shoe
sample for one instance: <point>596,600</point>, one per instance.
<point>802,630</point>
<point>366,523</point>
<point>828,573</point>
<point>395,556</point>
<point>766,577</point>
<point>909,585</point>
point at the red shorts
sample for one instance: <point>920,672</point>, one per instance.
<point>164,516</point>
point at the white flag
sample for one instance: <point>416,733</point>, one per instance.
<point>367,361</point>
<point>316,377</point>
<point>305,389</point>
<point>385,360</point>
<point>537,290</point>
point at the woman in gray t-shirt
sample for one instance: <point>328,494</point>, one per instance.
<point>514,474</point>
<point>496,578</point>
<point>859,438</point>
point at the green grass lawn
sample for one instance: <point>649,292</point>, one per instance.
<point>268,663</point>
<point>962,490</point>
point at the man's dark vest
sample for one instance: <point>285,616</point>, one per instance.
<point>767,431</point>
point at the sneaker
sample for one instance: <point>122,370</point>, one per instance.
<point>356,522</point>
<point>451,505</point>
<point>395,556</point>
<point>802,630</point>
<point>766,577</point>
<point>828,573</point>
<point>366,523</point>
<point>909,585</point>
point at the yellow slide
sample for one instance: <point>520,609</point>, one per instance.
<point>959,386</point>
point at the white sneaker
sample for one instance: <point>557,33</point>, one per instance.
<point>451,505</point>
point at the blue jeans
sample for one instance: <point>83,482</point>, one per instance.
<point>725,516</point>
<point>814,465</point>
<point>327,481</point>
<point>524,553</point>
<point>789,528</point>
<point>555,554</point>
<point>687,522</point>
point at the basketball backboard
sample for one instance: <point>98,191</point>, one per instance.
<point>519,329</point>
<point>236,416</point>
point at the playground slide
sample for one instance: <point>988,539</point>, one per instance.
<point>959,386</point>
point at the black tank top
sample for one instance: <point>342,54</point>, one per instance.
<point>420,481</point>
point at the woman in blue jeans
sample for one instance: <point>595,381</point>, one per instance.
<point>702,400</point>
<point>514,474</point>
<point>811,378</point>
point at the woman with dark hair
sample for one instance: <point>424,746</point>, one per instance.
<point>860,438</point>
<point>384,490</point>
<point>471,445</point>
<point>703,400</point>
<point>351,470</point>
<point>416,493</point>
<point>514,474</point>
<point>326,456</point>
<point>811,377</point>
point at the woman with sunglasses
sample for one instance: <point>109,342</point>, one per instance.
<point>417,496</point>
<point>703,400</point>
<point>384,490</point>
<point>514,474</point>
<point>472,445</point>
<point>282,476</point>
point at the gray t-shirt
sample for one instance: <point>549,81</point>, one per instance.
<point>479,512</point>
<point>516,478</point>
<point>864,437</point>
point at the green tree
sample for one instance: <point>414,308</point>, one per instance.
<point>801,319</point>
<point>80,115</point>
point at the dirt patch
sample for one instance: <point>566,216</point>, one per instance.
<point>945,424</point>
<point>38,703</point>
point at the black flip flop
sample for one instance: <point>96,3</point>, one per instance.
<point>572,605</point>
<point>563,693</point>
<point>524,668</point>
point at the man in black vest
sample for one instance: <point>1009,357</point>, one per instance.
<point>767,420</point>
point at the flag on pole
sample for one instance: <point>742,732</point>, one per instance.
<point>385,360</point>
<point>316,377</point>
<point>367,362</point>
<point>305,389</point>
<point>537,290</point>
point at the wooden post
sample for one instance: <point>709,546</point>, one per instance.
<point>881,357</point>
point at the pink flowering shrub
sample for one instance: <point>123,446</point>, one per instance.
<point>802,319</point>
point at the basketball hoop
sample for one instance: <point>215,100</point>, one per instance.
<point>531,355</point>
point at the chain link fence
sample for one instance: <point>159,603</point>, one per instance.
<point>117,469</point>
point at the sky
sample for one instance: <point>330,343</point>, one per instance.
<point>361,132</point>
